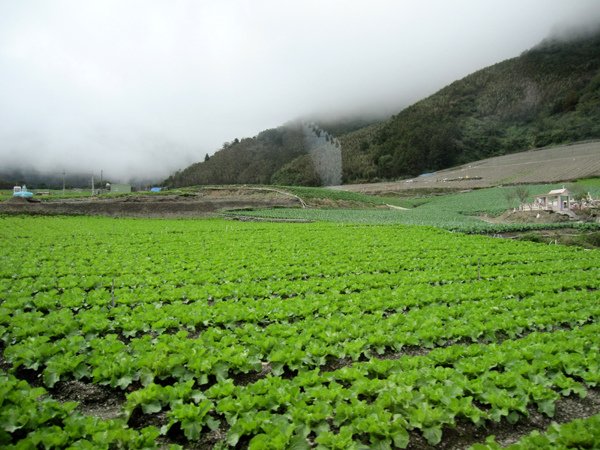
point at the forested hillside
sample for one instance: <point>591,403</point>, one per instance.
<point>314,153</point>
<point>548,95</point>
<point>249,160</point>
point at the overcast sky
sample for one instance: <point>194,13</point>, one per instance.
<point>144,87</point>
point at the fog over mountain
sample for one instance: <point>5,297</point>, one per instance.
<point>140,88</point>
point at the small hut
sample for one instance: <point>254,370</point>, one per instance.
<point>555,200</point>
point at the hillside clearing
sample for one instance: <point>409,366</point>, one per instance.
<point>549,165</point>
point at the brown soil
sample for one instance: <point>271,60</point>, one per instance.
<point>94,400</point>
<point>548,165</point>
<point>206,202</point>
<point>529,217</point>
<point>202,204</point>
<point>466,433</point>
<point>106,403</point>
<point>17,201</point>
<point>244,379</point>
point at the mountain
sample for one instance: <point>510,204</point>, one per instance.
<point>246,161</point>
<point>297,153</point>
<point>548,95</point>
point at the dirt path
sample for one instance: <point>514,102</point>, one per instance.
<point>396,207</point>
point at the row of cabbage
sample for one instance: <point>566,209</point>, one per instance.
<point>457,212</point>
<point>200,320</point>
<point>120,350</point>
<point>29,419</point>
<point>374,404</point>
<point>579,433</point>
<point>423,216</point>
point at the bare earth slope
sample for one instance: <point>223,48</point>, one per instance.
<point>549,165</point>
<point>206,202</point>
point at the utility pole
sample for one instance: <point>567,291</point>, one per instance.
<point>63,182</point>
<point>92,185</point>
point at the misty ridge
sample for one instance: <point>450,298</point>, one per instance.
<point>549,95</point>
<point>368,109</point>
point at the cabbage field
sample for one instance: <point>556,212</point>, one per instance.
<point>125,333</point>
<point>459,211</point>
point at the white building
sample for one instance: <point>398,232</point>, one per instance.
<point>555,200</point>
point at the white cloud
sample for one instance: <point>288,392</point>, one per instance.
<point>150,85</point>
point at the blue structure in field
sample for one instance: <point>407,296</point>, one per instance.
<point>155,189</point>
<point>22,192</point>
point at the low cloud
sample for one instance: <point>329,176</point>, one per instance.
<point>141,88</point>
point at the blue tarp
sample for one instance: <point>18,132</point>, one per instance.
<point>23,194</point>
<point>155,189</point>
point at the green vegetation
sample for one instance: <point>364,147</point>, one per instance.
<point>340,126</point>
<point>590,184</point>
<point>355,332</point>
<point>249,160</point>
<point>491,201</point>
<point>580,433</point>
<point>309,194</point>
<point>286,335</point>
<point>58,194</point>
<point>46,423</point>
<point>456,212</point>
<point>425,217</point>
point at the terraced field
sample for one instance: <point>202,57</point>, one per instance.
<point>550,165</point>
<point>461,211</point>
<point>221,334</point>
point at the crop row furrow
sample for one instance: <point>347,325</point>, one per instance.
<point>385,400</point>
<point>297,346</point>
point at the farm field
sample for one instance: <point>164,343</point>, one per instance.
<point>544,165</point>
<point>124,333</point>
<point>458,211</point>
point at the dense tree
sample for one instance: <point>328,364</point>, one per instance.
<point>246,161</point>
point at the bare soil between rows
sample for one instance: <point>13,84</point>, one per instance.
<point>466,433</point>
<point>105,402</point>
